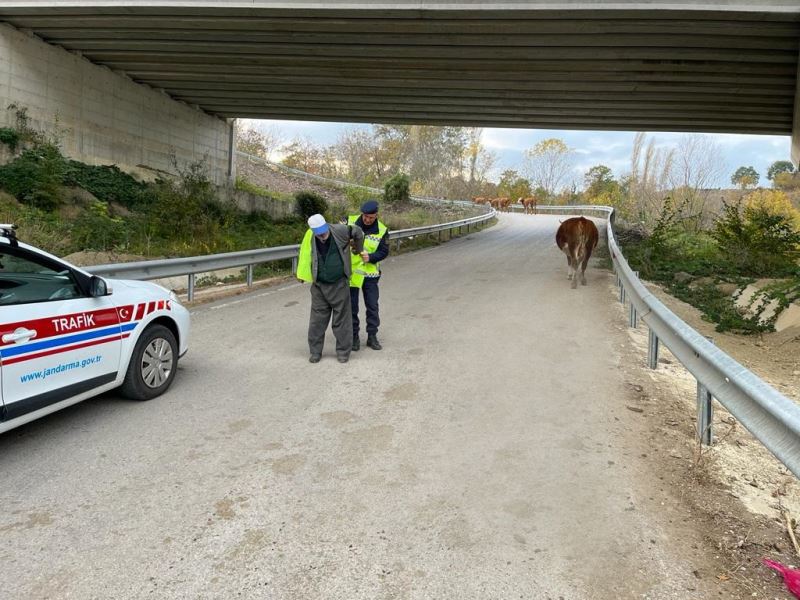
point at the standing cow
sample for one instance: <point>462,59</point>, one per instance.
<point>577,238</point>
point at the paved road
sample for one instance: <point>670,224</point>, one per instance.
<point>477,456</point>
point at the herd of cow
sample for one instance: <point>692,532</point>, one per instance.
<point>576,237</point>
<point>503,204</point>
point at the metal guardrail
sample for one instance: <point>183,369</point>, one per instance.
<point>190,266</point>
<point>770,416</point>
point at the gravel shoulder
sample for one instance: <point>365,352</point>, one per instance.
<point>737,495</point>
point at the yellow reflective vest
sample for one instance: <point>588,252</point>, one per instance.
<point>304,258</point>
<point>360,269</point>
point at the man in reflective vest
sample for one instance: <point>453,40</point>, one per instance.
<point>367,271</point>
<point>324,262</point>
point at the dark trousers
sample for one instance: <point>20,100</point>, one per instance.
<point>330,299</point>
<point>370,290</point>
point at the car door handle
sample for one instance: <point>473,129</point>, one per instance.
<point>20,334</point>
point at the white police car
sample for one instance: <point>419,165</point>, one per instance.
<point>66,336</point>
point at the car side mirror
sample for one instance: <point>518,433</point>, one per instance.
<point>98,287</point>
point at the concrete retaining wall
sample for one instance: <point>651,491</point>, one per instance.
<point>106,117</point>
<point>277,209</point>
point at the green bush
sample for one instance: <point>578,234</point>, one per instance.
<point>9,137</point>
<point>717,307</point>
<point>96,229</point>
<point>310,203</point>
<point>756,242</point>
<point>356,196</point>
<point>668,247</point>
<point>35,177</point>
<point>396,191</point>
<point>108,183</point>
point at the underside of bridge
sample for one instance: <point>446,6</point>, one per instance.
<point>654,66</point>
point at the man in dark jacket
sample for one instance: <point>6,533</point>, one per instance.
<point>324,262</point>
<point>367,271</point>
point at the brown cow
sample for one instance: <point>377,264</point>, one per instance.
<point>480,200</point>
<point>529,205</point>
<point>577,238</point>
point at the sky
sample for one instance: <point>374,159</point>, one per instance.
<point>609,148</point>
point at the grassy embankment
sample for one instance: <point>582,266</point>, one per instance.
<point>758,240</point>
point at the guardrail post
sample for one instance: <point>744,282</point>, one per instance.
<point>249,275</point>
<point>704,415</point>
<point>652,350</point>
<point>633,321</point>
<point>190,288</point>
<point>621,292</point>
<point>398,244</point>
<point>294,265</point>
<point>440,236</point>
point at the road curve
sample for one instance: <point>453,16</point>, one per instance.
<point>476,456</point>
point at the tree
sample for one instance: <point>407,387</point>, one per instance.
<point>356,152</point>
<point>547,163</point>
<point>396,190</point>
<point>258,141</point>
<point>303,154</point>
<point>697,166</point>
<point>779,166</point>
<point>431,155</point>
<point>773,202</point>
<point>745,177</point>
<point>787,182</point>
<point>599,179</point>
<point>512,185</point>
<point>648,183</point>
<point>479,161</point>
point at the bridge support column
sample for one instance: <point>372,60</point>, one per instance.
<point>232,152</point>
<point>796,121</point>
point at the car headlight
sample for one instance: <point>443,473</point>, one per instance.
<point>174,297</point>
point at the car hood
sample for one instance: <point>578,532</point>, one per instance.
<point>140,288</point>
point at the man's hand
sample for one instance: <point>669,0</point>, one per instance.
<point>365,257</point>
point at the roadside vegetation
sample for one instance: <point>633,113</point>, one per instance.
<point>65,206</point>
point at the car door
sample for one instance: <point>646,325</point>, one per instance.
<point>55,340</point>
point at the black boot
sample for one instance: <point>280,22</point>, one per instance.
<point>356,343</point>
<point>372,342</point>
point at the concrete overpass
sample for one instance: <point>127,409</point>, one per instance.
<point>657,66</point>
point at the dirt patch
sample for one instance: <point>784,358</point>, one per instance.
<point>272,178</point>
<point>89,258</point>
<point>735,495</point>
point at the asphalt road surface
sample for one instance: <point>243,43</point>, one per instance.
<point>477,455</point>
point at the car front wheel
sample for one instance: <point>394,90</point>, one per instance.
<point>153,364</point>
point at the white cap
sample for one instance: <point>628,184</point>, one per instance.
<point>317,224</point>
